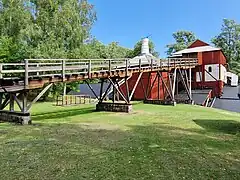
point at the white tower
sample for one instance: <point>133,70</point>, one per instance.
<point>145,47</point>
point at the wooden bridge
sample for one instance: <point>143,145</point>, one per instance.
<point>18,79</point>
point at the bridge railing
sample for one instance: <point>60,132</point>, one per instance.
<point>32,68</point>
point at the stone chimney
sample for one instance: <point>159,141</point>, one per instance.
<point>145,47</point>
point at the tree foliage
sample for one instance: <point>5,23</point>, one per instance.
<point>229,41</point>
<point>182,40</point>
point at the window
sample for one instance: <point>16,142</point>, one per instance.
<point>210,69</point>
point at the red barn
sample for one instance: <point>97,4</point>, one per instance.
<point>211,72</point>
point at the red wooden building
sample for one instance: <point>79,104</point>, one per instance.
<point>210,74</point>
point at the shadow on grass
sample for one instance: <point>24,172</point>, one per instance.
<point>224,126</point>
<point>63,113</point>
<point>142,152</point>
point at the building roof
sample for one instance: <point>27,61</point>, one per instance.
<point>198,43</point>
<point>196,49</point>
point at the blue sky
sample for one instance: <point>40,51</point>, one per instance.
<point>127,21</point>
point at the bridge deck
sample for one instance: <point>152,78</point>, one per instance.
<point>34,73</point>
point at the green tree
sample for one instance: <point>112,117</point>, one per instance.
<point>182,40</point>
<point>15,20</point>
<point>229,41</point>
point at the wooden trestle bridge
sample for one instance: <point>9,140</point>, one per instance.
<point>18,79</point>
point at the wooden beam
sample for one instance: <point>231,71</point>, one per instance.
<point>127,90</point>
<point>101,88</point>
<point>19,103</point>
<point>90,87</point>
<point>105,93</point>
<point>118,91</point>
<point>148,84</point>
<point>1,98</point>
<point>25,102</point>
<point>184,84</point>
<point>170,94</point>
<point>135,86</point>
<point>5,102</point>
<point>39,96</point>
<point>158,88</point>
<point>210,75</point>
<point>26,83</point>
<point>174,82</point>
<point>11,104</point>
<point>190,81</point>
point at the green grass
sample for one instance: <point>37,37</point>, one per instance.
<point>153,142</point>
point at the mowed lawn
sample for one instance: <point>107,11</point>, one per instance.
<point>153,142</point>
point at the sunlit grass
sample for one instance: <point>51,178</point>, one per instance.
<point>153,142</point>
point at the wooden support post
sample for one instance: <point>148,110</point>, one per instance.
<point>114,92</point>
<point>109,65</point>
<point>26,75</point>
<point>18,101</point>
<point>6,102</point>
<point>140,65</point>
<point>105,93</point>
<point>171,86</point>
<point>135,86</point>
<point>1,68</point>
<point>127,90</point>
<point>151,64</point>
<point>126,68</point>
<point>25,104</point>
<point>89,69</point>
<point>101,88</point>
<point>159,88</point>
<point>190,82</point>
<point>168,64</point>
<point>37,70</point>
<point>63,70</point>
<point>174,83</point>
<point>148,84</point>
<point>64,89</point>
<point>184,83</point>
<point>11,105</point>
<point>39,96</point>
<point>121,94</point>
<point>1,99</point>
<point>169,93</point>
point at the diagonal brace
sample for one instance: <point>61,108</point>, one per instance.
<point>39,96</point>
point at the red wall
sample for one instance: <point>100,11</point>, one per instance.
<point>214,57</point>
<point>139,92</point>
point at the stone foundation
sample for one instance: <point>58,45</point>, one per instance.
<point>159,102</point>
<point>166,102</point>
<point>15,117</point>
<point>114,107</point>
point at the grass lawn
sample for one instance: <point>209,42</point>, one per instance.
<point>153,142</point>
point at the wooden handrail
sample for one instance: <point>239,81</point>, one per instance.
<point>31,68</point>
